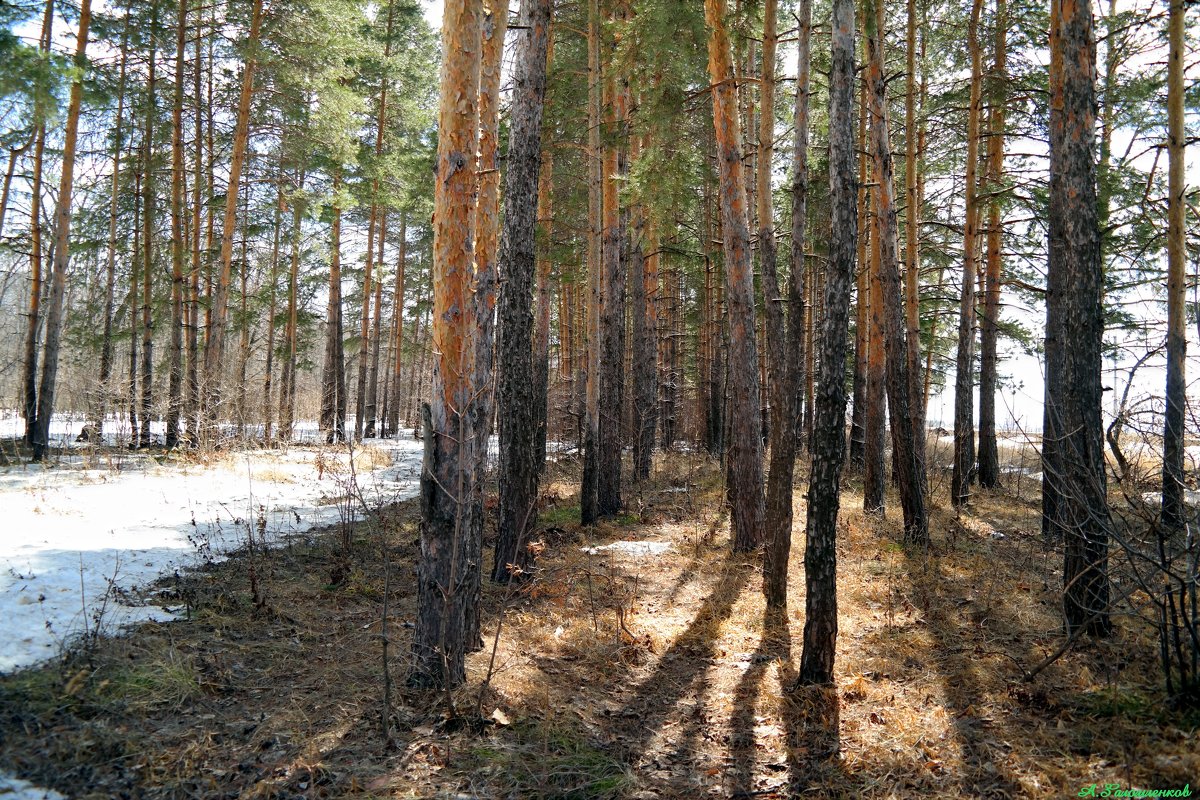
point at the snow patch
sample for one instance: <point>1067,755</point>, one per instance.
<point>78,538</point>
<point>631,548</point>
<point>17,789</point>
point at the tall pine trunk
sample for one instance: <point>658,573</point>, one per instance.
<point>908,453</point>
<point>62,242</point>
<point>829,440</point>
<point>989,455</point>
<point>1174,513</point>
<point>791,367</point>
<point>333,374</point>
<point>964,364</point>
<point>745,450</point>
<point>1075,326</point>
<point>178,243</point>
<point>100,399</point>
<point>519,467</point>
<point>149,202</point>
<point>398,320</point>
<point>34,319</point>
<point>441,636</point>
<point>214,350</point>
<point>590,485</point>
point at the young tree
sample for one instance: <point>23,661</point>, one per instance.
<point>1073,465</point>
<point>745,451</point>
<point>829,441</point>
<point>517,405</point>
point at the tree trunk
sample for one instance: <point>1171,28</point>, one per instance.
<point>862,322</point>
<point>612,308</point>
<point>875,385</point>
<point>1174,512</point>
<point>364,337</point>
<point>148,204</point>
<point>333,375</point>
<point>398,319</point>
<point>371,406</point>
<point>541,336</point>
<point>590,484</point>
<point>989,455</point>
<point>745,452</point>
<point>33,323</point>
<point>829,440</point>
<point>791,378</point>
<point>441,636</point>
<point>907,441</point>
<point>214,349</point>
<point>964,383</point>
<point>62,242</point>
<point>269,368</point>
<point>192,407</point>
<point>100,399</point>
<point>912,237</point>
<point>518,418</point>
<point>643,276</point>
<point>178,243</point>
<point>1074,317</point>
<point>287,383</point>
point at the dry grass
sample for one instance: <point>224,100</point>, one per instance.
<point>618,675</point>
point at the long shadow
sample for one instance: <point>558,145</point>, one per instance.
<point>774,645</point>
<point>682,672</point>
<point>957,665</point>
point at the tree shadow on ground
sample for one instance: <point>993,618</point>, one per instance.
<point>680,675</point>
<point>936,593</point>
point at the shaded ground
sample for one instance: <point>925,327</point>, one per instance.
<point>614,674</point>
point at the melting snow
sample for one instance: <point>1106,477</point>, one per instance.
<point>71,528</point>
<point>631,548</point>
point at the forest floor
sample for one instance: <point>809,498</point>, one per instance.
<point>644,669</point>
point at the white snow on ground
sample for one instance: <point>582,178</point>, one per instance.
<point>17,789</point>
<point>68,529</point>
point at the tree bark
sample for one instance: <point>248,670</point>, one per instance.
<point>333,375</point>
<point>745,451</point>
<point>398,319</point>
<point>1174,512</point>
<point>989,454</point>
<point>214,349</point>
<point>643,276</point>
<point>875,384</point>
<point>612,308</point>
<point>441,636</point>
<point>912,238</point>
<point>371,406</point>
<point>178,243</point>
<point>149,201</point>
<point>541,336</point>
<point>590,484</point>
<point>964,379</point>
<point>791,367</point>
<point>1075,318</point>
<point>828,443</point>
<point>100,399</point>
<point>907,441</point>
<point>519,468</point>
<point>62,242</point>
<point>34,319</point>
